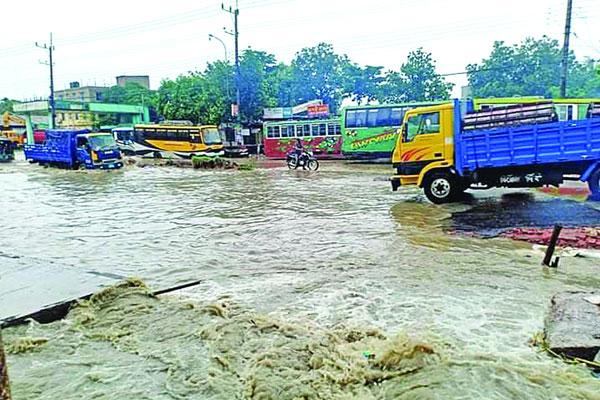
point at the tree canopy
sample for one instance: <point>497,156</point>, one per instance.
<point>531,68</point>
<point>315,73</point>
<point>7,104</point>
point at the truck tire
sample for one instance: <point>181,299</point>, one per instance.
<point>441,187</point>
<point>594,183</point>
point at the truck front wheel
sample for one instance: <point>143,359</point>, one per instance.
<point>441,187</point>
<point>594,183</point>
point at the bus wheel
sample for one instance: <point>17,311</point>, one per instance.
<point>157,154</point>
<point>594,183</point>
<point>440,187</point>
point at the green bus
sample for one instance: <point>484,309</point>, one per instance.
<point>370,132</point>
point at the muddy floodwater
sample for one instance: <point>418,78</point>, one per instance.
<point>315,285</point>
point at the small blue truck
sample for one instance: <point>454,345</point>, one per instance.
<point>76,149</point>
<point>448,148</point>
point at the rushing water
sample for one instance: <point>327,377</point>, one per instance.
<point>294,265</point>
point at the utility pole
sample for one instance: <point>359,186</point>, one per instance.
<point>50,49</point>
<point>236,33</point>
<point>565,55</point>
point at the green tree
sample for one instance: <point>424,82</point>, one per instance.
<point>7,104</point>
<point>256,72</point>
<point>218,86</point>
<point>531,68</point>
<point>319,73</point>
<point>181,99</point>
<point>131,93</point>
<point>362,84</point>
<point>416,81</point>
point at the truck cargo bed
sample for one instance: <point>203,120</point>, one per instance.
<point>548,143</point>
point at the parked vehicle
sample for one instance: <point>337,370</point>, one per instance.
<point>307,161</point>
<point>6,150</point>
<point>448,148</point>
<point>369,132</point>
<point>124,139</point>
<point>322,136</point>
<point>76,149</point>
<point>167,140</point>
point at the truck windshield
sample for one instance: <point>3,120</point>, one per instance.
<point>102,141</point>
<point>421,124</point>
<point>211,136</point>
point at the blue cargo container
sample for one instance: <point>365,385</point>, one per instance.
<point>76,149</point>
<point>451,159</point>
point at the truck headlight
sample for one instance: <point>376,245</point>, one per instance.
<point>94,156</point>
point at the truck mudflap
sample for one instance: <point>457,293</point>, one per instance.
<point>396,183</point>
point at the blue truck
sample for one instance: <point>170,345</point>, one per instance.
<point>76,149</point>
<point>448,148</point>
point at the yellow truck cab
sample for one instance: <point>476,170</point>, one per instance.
<point>424,152</point>
<point>450,147</point>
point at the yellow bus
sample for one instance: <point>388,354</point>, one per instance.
<point>160,140</point>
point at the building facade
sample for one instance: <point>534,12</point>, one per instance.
<point>86,94</point>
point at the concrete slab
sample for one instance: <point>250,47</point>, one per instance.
<point>28,286</point>
<point>573,325</point>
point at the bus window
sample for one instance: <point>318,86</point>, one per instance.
<point>383,116</point>
<point>361,119</point>
<point>270,131</point>
<point>372,117</point>
<point>284,131</point>
<point>396,116</point>
<point>183,135</point>
<point>330,129</point>
<point>276,131</point>
<point>195,137</point>
<point>350,118</point>
<point>322,129</point>
<point>315,130</point>
<point>306,130</point>
<point>211,136</point>
<point>569,113</point>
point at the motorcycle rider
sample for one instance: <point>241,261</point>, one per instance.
<point>298,149</point>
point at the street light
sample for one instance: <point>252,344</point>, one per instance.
<point>211,36</point>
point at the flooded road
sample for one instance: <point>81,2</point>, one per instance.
<point>302,261</point>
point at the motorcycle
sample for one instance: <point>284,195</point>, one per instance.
<point>307,161</point>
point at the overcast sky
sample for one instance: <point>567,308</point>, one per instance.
<point>97,41</point>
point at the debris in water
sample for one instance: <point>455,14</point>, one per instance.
<point>585,238</point>
<point>25,344</point>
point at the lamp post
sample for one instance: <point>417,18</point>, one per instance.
<point>211,36</point>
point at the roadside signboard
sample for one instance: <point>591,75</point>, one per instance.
<point>315,111</point>
<point>277,113</point>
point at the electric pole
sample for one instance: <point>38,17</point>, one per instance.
<point>236,33</point>
<point>565,55</point>
<point>50,49</point>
